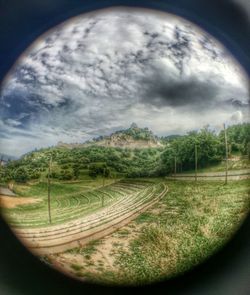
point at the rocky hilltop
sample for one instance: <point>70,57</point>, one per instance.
<point>133,137</point>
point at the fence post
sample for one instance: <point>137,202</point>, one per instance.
<point>48,179</point>
<point>226,147</point>
<point>196,162</point>
<point>175,167</point>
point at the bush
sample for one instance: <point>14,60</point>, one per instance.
<point>66,175</point>
<point>95,169</point>
<point>21,175</point>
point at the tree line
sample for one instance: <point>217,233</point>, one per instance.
<point>177,154</point>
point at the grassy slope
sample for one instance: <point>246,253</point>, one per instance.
<point>195,221</point>
<point>189,224</point>
<point>61,192</point>
<point>39,189</point>
<point>70,201</point>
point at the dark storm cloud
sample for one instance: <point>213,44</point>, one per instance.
<point>238,104</point>
<point>192,92</point>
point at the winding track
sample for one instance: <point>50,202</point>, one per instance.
<point>232,175</point>
<point>59,238</point>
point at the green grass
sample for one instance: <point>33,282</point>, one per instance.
<point>87,250</point>
<point>68,202</point>
<point>207,216</point>
<point>123,233</point>
<point>75,205</point>
<point>58,188</point>
<point>194,221</point>
<point>145,217</point>
<point>76,267</point>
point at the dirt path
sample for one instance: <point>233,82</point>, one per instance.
<point>232,175</point>
<point>6,192</point>
<point>104,253</point>
<point>10,202</point>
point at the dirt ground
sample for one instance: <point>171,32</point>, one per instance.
<point>103,256</point>
<point>12,202</point>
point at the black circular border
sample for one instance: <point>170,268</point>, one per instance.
<point>21,22</point>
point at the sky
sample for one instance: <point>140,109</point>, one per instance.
<point>99,72</point>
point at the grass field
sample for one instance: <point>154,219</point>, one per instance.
<point>190,223</point>
<point>69,200</point>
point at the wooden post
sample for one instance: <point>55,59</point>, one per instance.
<point>48,178</point>
<point>248,151</point>
<point>175,162</point>
<point>103,183</point>
<point>103,177</point>
<point>196,162</point>
<point>1,169</point>
<point>226,152</point>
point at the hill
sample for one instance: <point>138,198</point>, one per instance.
<point>132,138</point>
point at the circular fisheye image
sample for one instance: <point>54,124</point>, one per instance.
<point>125,154</point>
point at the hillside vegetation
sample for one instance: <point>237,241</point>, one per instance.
<point>96,158</point>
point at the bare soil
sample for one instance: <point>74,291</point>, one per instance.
<point>12,202</point>
<point>103,257</point>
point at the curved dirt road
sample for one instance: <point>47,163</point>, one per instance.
<point>232,175</point>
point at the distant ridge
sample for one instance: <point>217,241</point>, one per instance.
<point>5,157</point>
<point>133,137</point>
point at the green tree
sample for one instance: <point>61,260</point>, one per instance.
<point>21,175</point>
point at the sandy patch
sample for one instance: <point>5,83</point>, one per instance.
<point>12,202</point>
<point>103,257</point>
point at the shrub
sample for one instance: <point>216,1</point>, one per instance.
<point>21,175</point>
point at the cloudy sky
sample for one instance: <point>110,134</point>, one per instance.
<point>98,73</point>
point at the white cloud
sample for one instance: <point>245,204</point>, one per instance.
<point>13,123</point>
<point>100,72</point>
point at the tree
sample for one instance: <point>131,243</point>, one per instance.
<point>93,170</point>
<point>66,175</point>
<point>76,171</point>
<point>21,175</point>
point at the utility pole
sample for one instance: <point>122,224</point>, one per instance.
<point>226,147</point>
<point>48,178</point>
<point>248,151</point>
<point>1,169</point>
<point>175,162</point>
<point>103,177</point>
<point>103,183</point>
<point>196,162</point>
